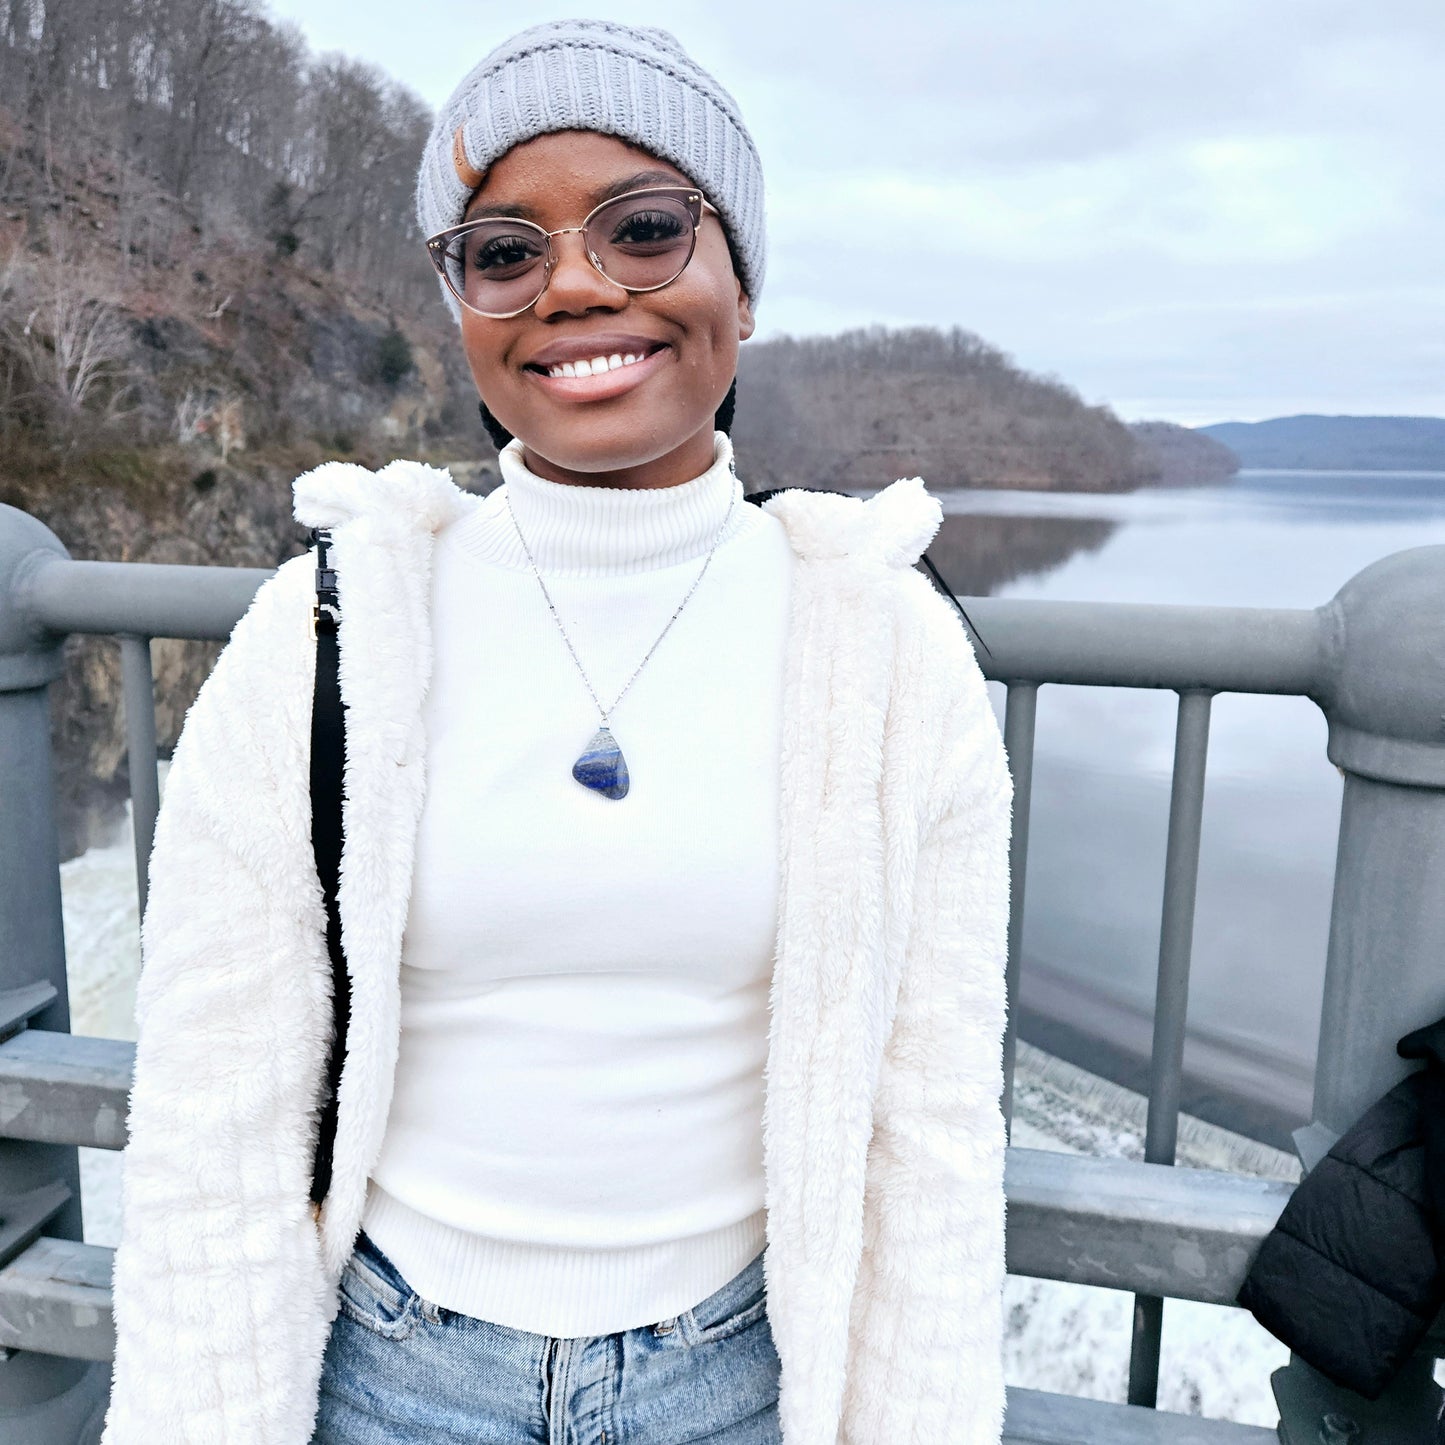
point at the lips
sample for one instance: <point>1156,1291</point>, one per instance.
<point>600,385</point>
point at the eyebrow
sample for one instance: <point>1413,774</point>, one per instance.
<point>607,193</point>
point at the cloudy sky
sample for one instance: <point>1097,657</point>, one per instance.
<point>1223,209</point>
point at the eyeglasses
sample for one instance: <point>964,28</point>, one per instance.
<point>641,241</point>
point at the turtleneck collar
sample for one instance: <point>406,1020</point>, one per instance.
<point>581,530</point>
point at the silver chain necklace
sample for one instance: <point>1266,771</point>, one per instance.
<point>601,765</point>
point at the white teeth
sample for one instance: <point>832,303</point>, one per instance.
<point>597,365</point>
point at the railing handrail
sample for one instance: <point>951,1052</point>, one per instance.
<point>145,599</point>
<point>1187,1233</point>
<point>1103,644</point>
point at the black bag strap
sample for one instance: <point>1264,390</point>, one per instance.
<point>328,760</point>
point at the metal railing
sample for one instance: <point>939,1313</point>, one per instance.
<point>1373,659</point>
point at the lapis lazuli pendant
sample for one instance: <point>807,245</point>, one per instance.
<point>602,766</point>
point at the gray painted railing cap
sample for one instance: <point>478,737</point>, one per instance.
<point>29,655</point>
<point>1386,700</point>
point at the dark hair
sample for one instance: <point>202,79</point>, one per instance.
<point>722,420</point>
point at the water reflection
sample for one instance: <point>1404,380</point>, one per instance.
<point>1102,771</point>
<point>978,553</point>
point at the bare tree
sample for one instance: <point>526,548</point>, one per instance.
<point>212,105</point>
<point>66,329</point>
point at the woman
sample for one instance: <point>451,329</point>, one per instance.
<point>670,1109</point>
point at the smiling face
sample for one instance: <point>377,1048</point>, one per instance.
<point>648,424</point>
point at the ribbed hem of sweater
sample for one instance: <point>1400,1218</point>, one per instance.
<point>583,529</point>
<point>540,1288</point>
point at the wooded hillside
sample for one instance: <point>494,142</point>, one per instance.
<point>211,104</point>
<point>1184,456</point>
<point>206,238</point>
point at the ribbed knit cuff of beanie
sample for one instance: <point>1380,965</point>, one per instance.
<point>634,82</point>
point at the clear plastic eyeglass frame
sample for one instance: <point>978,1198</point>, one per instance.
<point>438,245</point>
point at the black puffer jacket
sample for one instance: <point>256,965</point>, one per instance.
<point>1351,1277</point>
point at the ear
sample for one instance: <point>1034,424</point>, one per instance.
<point>746,324</point>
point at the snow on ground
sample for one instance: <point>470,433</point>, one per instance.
<point>102,949</point>
<point>1214,1360</point>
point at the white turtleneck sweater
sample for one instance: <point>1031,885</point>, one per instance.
<point>574,1145</point>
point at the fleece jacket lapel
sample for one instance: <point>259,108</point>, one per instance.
<point>848,846</point>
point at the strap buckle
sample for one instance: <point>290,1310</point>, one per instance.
<point>333,617</point>
<point>326,611</point>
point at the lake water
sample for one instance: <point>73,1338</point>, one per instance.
<point>1103,765</point>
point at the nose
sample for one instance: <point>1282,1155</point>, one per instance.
<point>576,286</point>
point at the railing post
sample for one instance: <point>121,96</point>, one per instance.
<point>1384,698</point>
<point>1018,736</point>
<point>43,1398</point>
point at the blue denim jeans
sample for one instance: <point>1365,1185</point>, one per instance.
<point>400,1369</point>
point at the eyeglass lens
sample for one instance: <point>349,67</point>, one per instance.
<point>640,242</point>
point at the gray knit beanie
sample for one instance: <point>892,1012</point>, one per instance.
<point>635,82</point>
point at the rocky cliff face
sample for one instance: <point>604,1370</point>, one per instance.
<point>216,515</point>
<point>161,508</point>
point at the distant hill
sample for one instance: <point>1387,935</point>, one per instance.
<point>1337,443</point>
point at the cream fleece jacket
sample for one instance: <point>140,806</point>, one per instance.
<point>882,1130</point>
